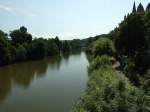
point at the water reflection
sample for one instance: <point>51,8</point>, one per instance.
<point>5,87</point>
<point>66,56</point>
<point>51,84</point>
<point>54,62</point>
<point>22,74</point>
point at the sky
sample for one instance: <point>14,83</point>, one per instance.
<point>67,19</point>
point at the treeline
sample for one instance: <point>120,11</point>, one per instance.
<point>19,46</point>
<point>132,43</point>
<point>126,89</point>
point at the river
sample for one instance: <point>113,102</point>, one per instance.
<point>49,85</point>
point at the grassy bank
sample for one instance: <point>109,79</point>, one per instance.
<point>109,91</point>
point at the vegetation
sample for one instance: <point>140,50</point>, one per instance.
<point>133,42</point>
<point>4,49</point>
<point>109,90</point>
<point>101,46</point>
<point>19,46</point>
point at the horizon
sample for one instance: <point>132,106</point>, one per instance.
<point>66,19</point>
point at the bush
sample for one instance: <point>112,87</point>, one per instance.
<point>100,62</point>
<point>108,92</point>
<point>102,46</point>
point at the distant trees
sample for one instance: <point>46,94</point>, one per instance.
<point>20,36</point>
<point>53,46</point>
<point>38,49</point>
<point>78,44</point>
<point>65,46</point>
<point>58,42</point>
<point>20,46</point>
<point>25,48</point>
<point>20,53</point>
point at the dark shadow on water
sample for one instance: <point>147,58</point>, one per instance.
<point>5,87</point>
<point>22,74</point>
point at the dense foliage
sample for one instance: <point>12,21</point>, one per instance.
<point>109,90</point>
<point>101,46</point>
<point>132,42</point>
<point>4,49</point>
<point>19,46</point>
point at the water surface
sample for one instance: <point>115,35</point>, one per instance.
<point>49,85</point>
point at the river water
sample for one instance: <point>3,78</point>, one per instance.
<point>49,85</point>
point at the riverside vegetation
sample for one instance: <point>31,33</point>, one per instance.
<point>126,89</point>
<point>20,46</point>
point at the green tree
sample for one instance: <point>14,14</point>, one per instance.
<point>147,22</point>
<point>23,29</point>
<point>131,37</point>
<point>76,44</point>
<point>20,36</point>
<point>58,42</point>
<point>148,7</point>
<point>140,8</point>
<point>65,46</point>
<point>102,46</point>
<point>134,8</point>
<point>52,48</point>
<point>5,56</point>
<point>20,53</point>
<point>38,49</point>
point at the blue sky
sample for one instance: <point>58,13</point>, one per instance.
<point>67,19</point>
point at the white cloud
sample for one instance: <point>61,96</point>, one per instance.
<point>17,11</point>
<point>6,8</point>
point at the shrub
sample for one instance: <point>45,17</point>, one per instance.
<point>100,61</point>
<point>103,46</point>
<point>107,90</point>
